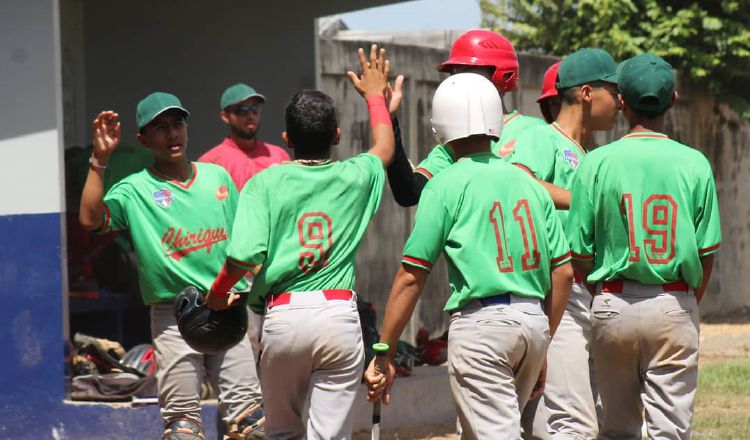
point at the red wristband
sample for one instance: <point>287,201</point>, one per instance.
<point>223,282</point>
<point>378,111</point>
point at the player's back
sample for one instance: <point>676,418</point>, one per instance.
<point>316,216</point>
<point>500,223</point>
<point>653,196</point>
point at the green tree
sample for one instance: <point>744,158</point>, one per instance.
<point>708,40</point>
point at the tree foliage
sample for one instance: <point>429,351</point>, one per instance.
<point>708,40</point>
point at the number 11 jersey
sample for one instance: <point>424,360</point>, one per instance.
<point>304,223</point>
<point>496,225</point>
<point>644,208</point>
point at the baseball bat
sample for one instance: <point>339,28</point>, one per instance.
<point>381,350</point>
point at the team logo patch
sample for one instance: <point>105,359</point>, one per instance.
<point>222,193</point>
<point>571,158</point>
<point>506,149</point>
<point>163,197</point>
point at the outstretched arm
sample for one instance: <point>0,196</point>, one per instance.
<point>105,138</point>
<point>560,196</point>
<point>407,286</point>
<point>406,184</point>
<point>219,297</point>
<point>372,85</point>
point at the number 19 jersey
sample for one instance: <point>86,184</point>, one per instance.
<point>644,208</point>
<point>304,223</point>
<point>497,228</point>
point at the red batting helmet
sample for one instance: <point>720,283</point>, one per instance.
<point>548,85</point>
<point>480,47</point>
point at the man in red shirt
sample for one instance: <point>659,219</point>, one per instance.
<point>241,153</point>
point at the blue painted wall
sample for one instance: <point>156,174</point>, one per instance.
<point>32,382</point>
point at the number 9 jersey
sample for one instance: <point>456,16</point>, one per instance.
<point>644,208</point>
<point>303,224</point>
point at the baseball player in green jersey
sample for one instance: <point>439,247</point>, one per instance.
<point>643,227</point>
<point>508,266</point>
<point>179,214</point>
<point>302,247</point>
<point>477,51</point>
<point>587,85</point>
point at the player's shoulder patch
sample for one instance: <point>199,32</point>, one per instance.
<point>571,157</point>
<point>506,149</point>
<point>163,197</point>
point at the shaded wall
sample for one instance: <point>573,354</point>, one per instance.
<point>698,120</point>
<point>115,53</point>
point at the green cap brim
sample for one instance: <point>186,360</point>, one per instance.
<point>614,78</point>
<point>165,109</point>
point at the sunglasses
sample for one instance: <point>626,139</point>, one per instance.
<point>242,110</point>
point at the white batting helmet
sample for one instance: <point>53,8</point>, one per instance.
<point>466,104</point>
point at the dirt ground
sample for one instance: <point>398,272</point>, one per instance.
<point>724,341</point>
<point>433,432</point>
<point>719,342</point>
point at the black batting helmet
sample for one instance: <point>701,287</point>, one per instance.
<point>206,330</point>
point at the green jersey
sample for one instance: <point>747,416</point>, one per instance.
<point>441,157</point>
<point>550,155</point>
<point>497,227</point>
<point>514,124</point>
<point>180,230</point>
<point>644,209</point>
<point>304,224</point>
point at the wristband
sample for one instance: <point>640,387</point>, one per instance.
<point>96,165</point>
<point>223,283</point>
<point>378,111</point>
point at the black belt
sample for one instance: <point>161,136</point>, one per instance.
<point>503,298</point>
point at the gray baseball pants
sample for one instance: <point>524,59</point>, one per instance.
<point>495,354</point>
<point>645,348</point>
<point>567,411</point>
<point>311,349</point>
<point>180,370</point>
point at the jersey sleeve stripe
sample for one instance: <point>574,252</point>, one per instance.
<point>710,249</point>
<point>241,264</point>
<point>416,262</point>
<point>107,219</point>
<point>582,256</point>
<point>560,260</point>
<point>424,172</point>
<point>525,168</point>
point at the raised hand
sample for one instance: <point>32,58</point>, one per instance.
<point>374,78</point>
<point>395,95</point>
<point>106,135</point>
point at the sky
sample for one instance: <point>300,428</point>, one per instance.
<point>414,15</point>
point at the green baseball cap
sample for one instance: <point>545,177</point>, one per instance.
<point>238,93</point>
<point>155,104</point>
<point>586,66</point>
<point>646,82</point>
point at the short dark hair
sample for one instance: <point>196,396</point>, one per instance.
<point>569,96</point>
<point>649,114</point>
<point>311,121</point>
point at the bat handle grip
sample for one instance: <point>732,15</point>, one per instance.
<point>381,364</point>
